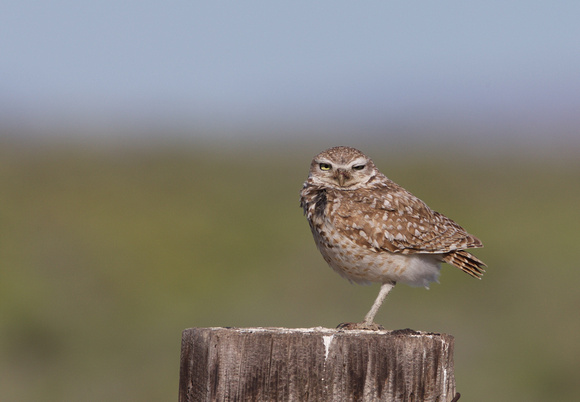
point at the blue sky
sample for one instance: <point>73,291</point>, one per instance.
<point>247,63</point>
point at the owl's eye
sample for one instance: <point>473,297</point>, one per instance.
<point>358,167</point>
<point>325,166</point>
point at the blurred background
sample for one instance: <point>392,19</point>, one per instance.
<point>151,156</point>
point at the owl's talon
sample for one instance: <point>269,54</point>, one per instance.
<point>360,326</point>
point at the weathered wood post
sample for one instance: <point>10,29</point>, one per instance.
<point>315,364</point>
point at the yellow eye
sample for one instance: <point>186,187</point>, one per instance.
<point>325,166</point>
<point>358,167</point>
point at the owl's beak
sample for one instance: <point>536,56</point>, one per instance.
<point>342,176</point>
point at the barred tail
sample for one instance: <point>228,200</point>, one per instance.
<point>466,262</point>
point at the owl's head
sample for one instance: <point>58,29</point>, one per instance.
<point>342,168</point>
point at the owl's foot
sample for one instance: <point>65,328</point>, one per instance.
<point>360,325</point>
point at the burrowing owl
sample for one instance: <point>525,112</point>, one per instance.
<point>370,229</point>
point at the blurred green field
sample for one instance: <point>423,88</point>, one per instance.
<point>108,253</point>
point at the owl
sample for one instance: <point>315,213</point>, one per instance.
<point>370,229</point>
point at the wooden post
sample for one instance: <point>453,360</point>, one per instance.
<point>315,364</point>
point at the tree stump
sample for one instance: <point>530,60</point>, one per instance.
<point>315,364</point>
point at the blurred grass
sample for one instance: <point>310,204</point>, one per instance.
<point>108,253</point>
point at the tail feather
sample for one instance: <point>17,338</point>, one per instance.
<point>466,262</point>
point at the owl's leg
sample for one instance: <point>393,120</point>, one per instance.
<point>385,289</point>
<point>368,323</point>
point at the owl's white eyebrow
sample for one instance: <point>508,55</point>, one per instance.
<point>324,161</point>
<point>359,161</point>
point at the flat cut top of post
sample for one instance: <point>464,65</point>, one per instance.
<point>317,330</point>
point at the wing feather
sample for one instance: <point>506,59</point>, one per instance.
<point>388,217</point>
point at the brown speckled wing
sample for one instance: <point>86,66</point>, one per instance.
<point>387,217</point>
